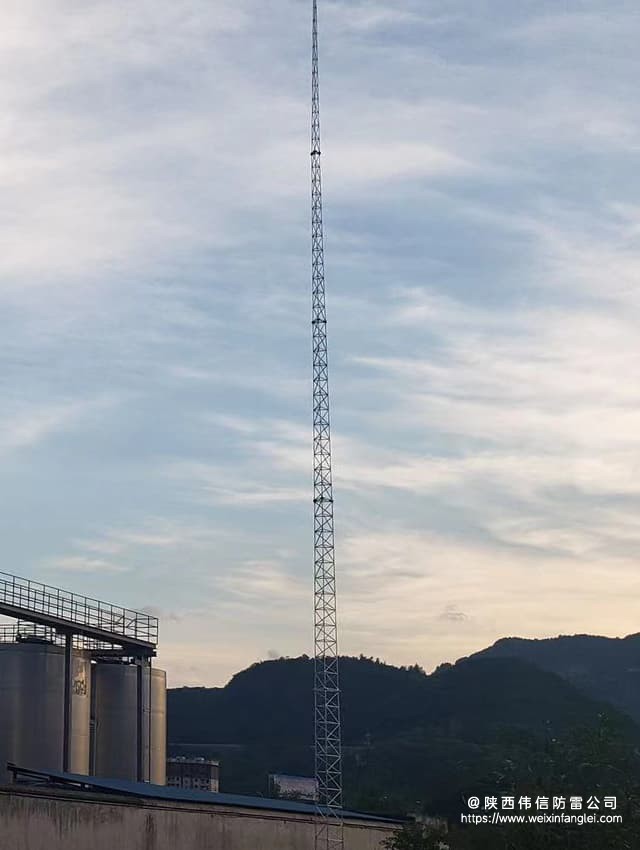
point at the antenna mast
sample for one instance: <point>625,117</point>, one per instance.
<point>328,751</point>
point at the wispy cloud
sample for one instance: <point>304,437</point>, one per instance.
<point>81,564</point>
<point>229,486</point>
<point>27,424</point>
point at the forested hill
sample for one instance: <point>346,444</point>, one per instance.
<point>603,668</point>
<point>408,736</point>
<point>272,700</point>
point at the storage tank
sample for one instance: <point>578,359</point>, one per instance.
<point>115,688</point>
<point>158,711</point>
<point>80,712</point>
<point>32,707</point>
<point>118,725</point>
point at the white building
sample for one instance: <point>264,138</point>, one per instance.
<point>293,787</point>
<point>196,774</point>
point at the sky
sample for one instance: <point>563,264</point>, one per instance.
<point>482,222</point>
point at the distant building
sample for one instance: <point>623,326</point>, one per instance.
<point>195,774</point>
<point>293,787</point>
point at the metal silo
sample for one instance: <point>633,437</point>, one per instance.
<point>80,713</point>
<point>115,720</point>
<point>32,707</point>
<point>129,721</point>
<point>10,706</point>
<point>158,712</point>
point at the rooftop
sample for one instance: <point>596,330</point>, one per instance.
<point>163,792</point>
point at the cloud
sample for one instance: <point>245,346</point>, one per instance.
<point>80,564</point>
<point>152,534</point>
<point>365,17</point>
<point>29,424</point>
<point>164,615</point>
<point>263,582</point>
<point>78,175</point>
<point>411,616</point>
<point>452,614</point>
<point>215,484</point>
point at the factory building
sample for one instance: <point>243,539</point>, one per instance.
<point>59,811</point>
<point>83,757</point>
<point>197,774</point>
<point>104,720</point>
<point>78,691</point>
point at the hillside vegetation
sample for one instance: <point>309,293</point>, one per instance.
<point>411,741</point>
<point>603,668</point>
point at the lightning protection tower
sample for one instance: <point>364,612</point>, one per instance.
<point>328,756</point>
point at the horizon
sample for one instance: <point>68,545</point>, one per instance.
<point>428,671</point>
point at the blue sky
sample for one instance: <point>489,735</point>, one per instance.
<point>482,234</point>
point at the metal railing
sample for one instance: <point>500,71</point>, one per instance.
<point>76,610</point>
<point>21,631</point>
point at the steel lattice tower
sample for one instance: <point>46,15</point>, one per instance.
<point>328,755</point>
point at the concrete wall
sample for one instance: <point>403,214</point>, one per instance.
<point>52,819</point>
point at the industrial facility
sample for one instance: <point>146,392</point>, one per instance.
<point>83,743</point>
<point>78,691</point>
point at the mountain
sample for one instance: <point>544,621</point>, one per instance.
<point>603,668</point>
<point>409,738</point>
